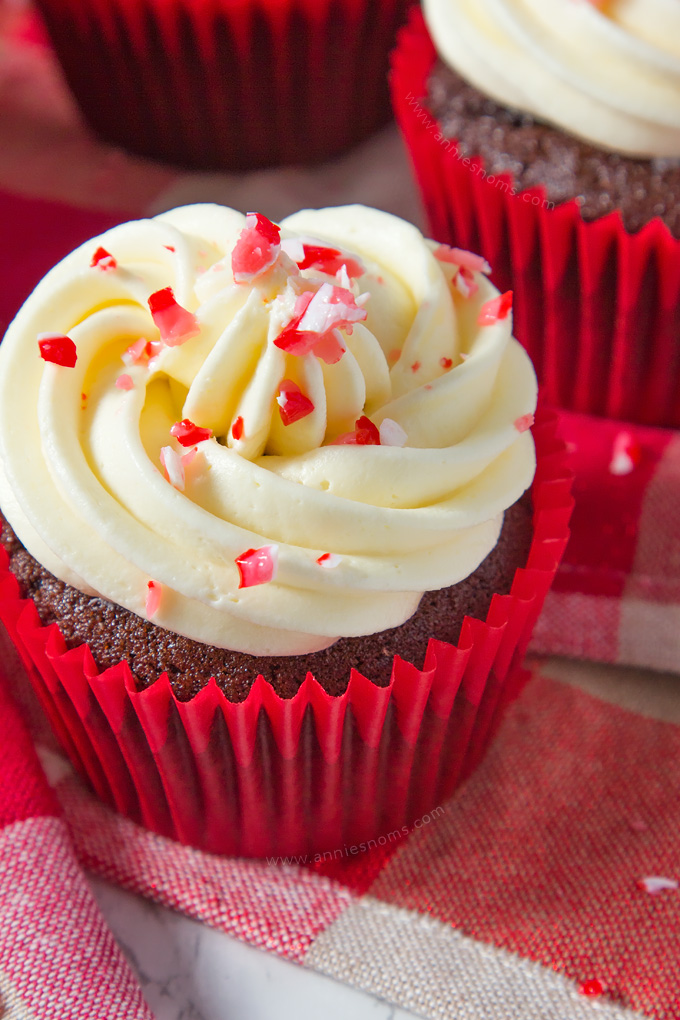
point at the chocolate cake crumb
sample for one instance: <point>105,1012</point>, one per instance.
<point>114,633</point>
<point>535,153</point>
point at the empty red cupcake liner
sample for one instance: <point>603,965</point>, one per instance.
<point>228,84</point>
<point>597,308</point>
<point>315,773</point>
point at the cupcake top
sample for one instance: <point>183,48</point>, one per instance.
<point>264,437</point>
<point>606,72</point>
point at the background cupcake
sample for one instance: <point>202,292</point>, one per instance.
<point>255,440</point>
<point>547,136</point>
<point>228,84</point>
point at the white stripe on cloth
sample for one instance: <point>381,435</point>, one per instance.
<point>427,967</point>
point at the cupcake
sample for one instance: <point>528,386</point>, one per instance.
<point>228,84</point>
<point>547,136</point>
<point>270,557</point>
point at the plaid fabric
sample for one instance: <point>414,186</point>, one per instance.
<point>58,961</point>
<point>515,898</point>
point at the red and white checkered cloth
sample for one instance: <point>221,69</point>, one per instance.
<point>515,898</point>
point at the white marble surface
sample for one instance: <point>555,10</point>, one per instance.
<point>188,971</point>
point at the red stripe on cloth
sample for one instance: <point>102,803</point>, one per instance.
<point>605,522</point>
<point>59,959</point>
<point>36,234</point>
<point>656,571</point>
<point>541,850</point>
<point>23,790</point>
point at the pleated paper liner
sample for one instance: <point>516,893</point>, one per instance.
<point>314,773</point>
<point>597,308</point>
<point>228,84</point>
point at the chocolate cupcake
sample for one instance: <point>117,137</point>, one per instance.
<point>228,84</point>
<point>548,137</point>
<point>259,446</point>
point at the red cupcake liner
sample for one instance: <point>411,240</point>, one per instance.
<point>597,308</point>
<point>315,773</point>
<point>228,84</point>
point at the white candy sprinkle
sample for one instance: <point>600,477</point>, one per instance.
<point>391,433</point>
<point>656,883</point>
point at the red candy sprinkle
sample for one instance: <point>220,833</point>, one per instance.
<point>153,598</point>
<point>329,260</point>
<point>102,259</point>
<point>495,309</point>
<point>188,434</point>
<point>58,349</point>
<point>237,428</point>
<point>293,404</point>
<point>415,366</point>
<point>524,422</point>
<point>365,434</point>
<point>446,362</point>
<point>591,988</point>
<point>265,228</point>
<point>257,566</point>
<point>256,249</point>
<point>175,324</point>
<point>124,382</point>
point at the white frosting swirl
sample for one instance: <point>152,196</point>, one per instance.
<point>607,73</point>
<point>80,453</point>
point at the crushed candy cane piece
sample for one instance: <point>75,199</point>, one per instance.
<point>329,260</point>
<point>654,884</point>
<point>365,434</point>
<point>103,259</point>
<point>591,988</point>
<point>329,560</point>
<point>124,382</point>
<point>170,247</point>
<point>257,566</point>
<point>237,428</point>
<point>464,259</point>
<point>332,307</point>
<point>188,434</point>
<point>173,467</point>
<point>58,349</point>
<point>524,422</point>
<point>142,350</point>
<point>317,318</point>
<point>293,404</point>
<point>256,249</point>
<point>446,362</point>
<point>495,310</point>
<point>175,324</point>
<point>415,366</point>
<point>626,454</point>
<point>188,458</point>
<point>465,282</point>
<point>153,598</point>
<point>391,433</point>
